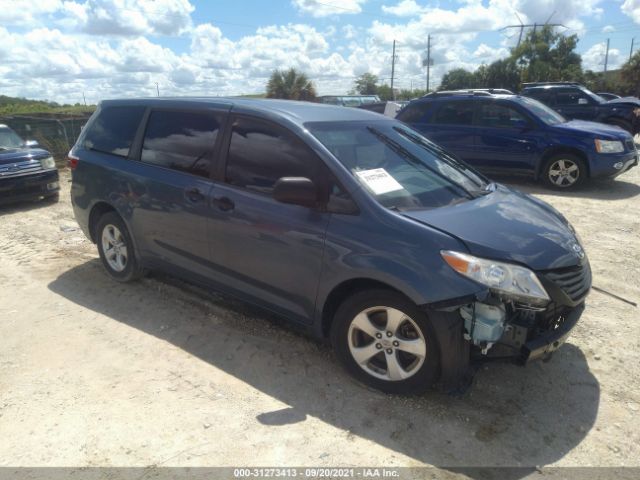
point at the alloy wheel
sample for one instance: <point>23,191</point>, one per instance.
<point>564,173</point>
<point>114,248</point>
<point>386,343</point>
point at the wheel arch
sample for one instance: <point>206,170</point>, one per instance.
<point>560,149</point>
<point>342,291</point>
<point>97,211</point>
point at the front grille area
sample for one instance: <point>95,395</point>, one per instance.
<point>575,282</point>
<point>20,168</point>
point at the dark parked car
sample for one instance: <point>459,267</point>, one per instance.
<point>26,172</point>
<point>348,223</point>
<point>519,135</point>
<point>575,101</point>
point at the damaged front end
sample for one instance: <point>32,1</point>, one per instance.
<point>522,315</point>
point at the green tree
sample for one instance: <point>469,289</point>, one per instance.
<point>385,93</point>
<point>630,75</point>
<point>366,84</point>
<point>290,84</point>
<point>503,74</point>
<point>545,55</point>
<point>457,79</point>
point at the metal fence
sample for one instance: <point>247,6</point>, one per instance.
<point>55,133</point>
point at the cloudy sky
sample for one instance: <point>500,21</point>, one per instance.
<point>58,49</point>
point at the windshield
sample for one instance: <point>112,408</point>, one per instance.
<point>544,113</point>
<point>9,139</point>
<point>397,165</point>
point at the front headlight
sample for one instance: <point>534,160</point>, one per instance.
<point>511,280</point>
<point>48,163</point>
<point>609,146</point>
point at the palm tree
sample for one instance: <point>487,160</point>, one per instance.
<point>290,84</point>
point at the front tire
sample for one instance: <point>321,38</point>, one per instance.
<point>564,171</point>
<point>385,341</point>
<point>116,249</point>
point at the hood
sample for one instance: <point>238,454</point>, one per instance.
<point>507,225</point>
<point>21,154</point>
<point>593,129</point>
<point>633,101</point>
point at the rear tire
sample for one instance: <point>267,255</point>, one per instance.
<point>116,249</point>
<point>385,341</point>
<point>564,171</point>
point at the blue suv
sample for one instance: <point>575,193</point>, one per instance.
<point>350,224</point>
<point>498,133</point>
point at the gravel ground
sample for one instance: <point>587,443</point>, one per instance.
<point>94,373</point>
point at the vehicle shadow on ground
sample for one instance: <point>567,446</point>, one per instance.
<point>511,416</point>
<point>596,189</point>
<point>15,207</point>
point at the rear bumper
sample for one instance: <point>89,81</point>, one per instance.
<point>29,187</point>
<point>544,345</point>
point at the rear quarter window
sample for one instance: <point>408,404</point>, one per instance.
<point>114,129</point>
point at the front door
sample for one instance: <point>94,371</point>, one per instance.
<point>265,250</point>
<point>506,139</point>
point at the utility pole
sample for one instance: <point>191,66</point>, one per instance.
<point>157,89</point>
<point>393,69</point>
<point>85,99</point>
<point>428,59</point>
<point>631,51</point>
<point>606,57</point>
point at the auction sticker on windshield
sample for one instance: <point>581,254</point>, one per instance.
<point>379,181</point>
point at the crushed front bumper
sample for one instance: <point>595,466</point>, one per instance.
<point>542,346</point>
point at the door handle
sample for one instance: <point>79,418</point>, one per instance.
<point>194,195</point>
<point>224,203</point>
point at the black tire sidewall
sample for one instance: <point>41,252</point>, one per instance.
<point>575,159</point>
<point>418,383</point>
<point>131,270</point>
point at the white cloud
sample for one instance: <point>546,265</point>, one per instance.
<point>406,8</point>
<point>608,29</point>
<point>593,58</point>
<point>325,8</point>
<point>129,17</point>
<point>631,8</point>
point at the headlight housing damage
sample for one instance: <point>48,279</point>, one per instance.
<point>508,280</point>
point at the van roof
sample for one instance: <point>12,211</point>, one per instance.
<point>297,111</point>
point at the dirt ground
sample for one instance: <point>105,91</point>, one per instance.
<point>94,373</point>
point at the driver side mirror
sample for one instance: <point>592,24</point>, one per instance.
<point>296,191</point>
<point>31,143</point>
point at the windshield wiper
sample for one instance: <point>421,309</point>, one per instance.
<point>400,150</point>
<point>459,167</point>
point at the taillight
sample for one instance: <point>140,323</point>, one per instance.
<point>72,161</point>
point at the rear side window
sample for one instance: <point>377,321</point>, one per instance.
<point>455,113</point>
<point>114,129</point>
<point>414,113</point>
<point>181,141</point>
<point>260,153</point>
